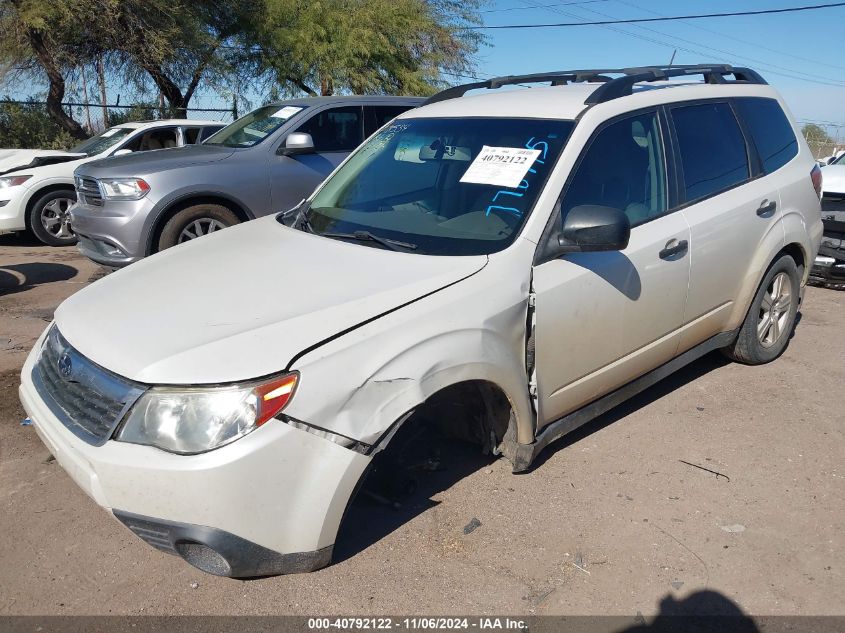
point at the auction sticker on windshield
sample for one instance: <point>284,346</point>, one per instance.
<point>286,112</point>
<point>501,166</point>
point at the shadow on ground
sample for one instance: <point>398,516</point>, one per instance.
<point>22,238</point>
<point>701,612</point>
<point>690,373</point>
<point>20,277</point>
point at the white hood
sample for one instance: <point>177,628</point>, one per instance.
<point>15,159</point>
<point>242,303</point>
<point>833,179</point>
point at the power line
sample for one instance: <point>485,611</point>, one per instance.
<point>545,6</point>
<point>761,64</point>
<point>699,16</point>
<point>616,29</point>
<point>757,44</point>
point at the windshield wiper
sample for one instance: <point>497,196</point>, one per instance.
<point>366,236</point>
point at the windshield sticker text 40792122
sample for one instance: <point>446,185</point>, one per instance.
<point>541,149</point>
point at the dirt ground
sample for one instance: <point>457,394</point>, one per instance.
<point>611,521</point>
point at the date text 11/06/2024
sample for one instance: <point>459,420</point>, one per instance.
<point>430,623</point>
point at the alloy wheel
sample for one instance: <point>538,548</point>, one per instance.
<point>55,218</point>
<point>774,310</point>
<point>200,227</point>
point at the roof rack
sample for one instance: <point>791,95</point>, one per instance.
<point>612,87</point>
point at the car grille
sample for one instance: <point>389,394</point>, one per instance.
<point>88,399</point>
<point>88,191</point>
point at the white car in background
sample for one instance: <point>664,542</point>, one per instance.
<point>36,186</point>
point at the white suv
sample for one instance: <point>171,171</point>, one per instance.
<point>509,265</point>
<point>37,187</point>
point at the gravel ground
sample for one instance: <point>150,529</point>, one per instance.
<point>613,520</point>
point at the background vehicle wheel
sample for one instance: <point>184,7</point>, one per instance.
<point>768,325</point>
<point>194,222</point>
<point>49,218</point>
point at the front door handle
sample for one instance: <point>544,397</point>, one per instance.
<point>767,208</point>
<point>674,248</point>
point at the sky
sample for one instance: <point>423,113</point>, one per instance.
<point>800,54</point>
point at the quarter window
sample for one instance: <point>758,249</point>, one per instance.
<point>773,135</point>
<point>337,130</point>
<point>623,168</point>
<point>191,134</point>
<point>158,138</point>
<point>713,152</point>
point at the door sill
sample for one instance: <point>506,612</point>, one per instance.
<point>522,455</point>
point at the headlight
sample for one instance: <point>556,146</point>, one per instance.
<point>195,420</point>
<point>123,188</point>
<point>13,181</point>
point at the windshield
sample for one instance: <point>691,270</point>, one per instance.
<point>253,128</point>
<point>99,144</point>
<point>446,186</point>
<point>839,161</point>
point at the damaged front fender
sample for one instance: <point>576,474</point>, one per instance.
<point>360,384</point>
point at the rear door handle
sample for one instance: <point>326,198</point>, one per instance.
<point>674,248</point>
<point>767,208</point>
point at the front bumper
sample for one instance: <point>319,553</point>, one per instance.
<point>269,503</point>
<point>112,234</point>
<point>12,209</point>
<point>104,252</point>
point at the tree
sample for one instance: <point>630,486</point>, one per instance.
<point>176,43</point>
<point>24,125</point>
<point>364,46</point>
<point>815,134</point>
<point>42,39</point>
<point>138,112</point>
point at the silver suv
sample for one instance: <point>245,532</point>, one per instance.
<point>506,266</point>
<point>269,160</point>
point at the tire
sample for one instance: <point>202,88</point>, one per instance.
<point>49,218</point>
<point>765,333</point>
<point>195,221</point>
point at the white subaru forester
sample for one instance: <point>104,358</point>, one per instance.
<point>538,255</point>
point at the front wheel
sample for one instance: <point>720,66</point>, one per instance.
<point>768,325</point>
<point>49,218</point>
<point>196,221</point>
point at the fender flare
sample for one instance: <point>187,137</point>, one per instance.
<point>165,205</point>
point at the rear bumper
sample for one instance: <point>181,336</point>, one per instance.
<point>828,270</point>
<point>268,503</point>
<point>829,265</point>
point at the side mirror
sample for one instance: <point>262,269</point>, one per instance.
<point>122,152</point>
<point>297,143</point>
<point>590,228</point>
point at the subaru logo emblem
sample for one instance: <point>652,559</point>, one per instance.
<point>65,366</point>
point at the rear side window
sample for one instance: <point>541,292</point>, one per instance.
<point>336,130</point>
<point>770,130</point>
<point>713,152</point>
<point>376,116</point>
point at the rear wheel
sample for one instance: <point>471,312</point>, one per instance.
<point>768,325</point>
<point>49,218</point>
<point>196,221</point>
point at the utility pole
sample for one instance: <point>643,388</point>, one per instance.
<point>101,76</point>
<point>85,96</point>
